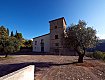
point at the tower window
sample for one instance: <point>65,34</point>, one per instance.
<point>55,27</point>
<point>56,36</point>
<point>56,44</point>
<point>35,42</point>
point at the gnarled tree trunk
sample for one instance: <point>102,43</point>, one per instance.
<point>6,54</point>
<point>81,55</point>
<point>80,59</point>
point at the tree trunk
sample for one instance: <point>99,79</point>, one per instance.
<point>81,55</point>
<point>80,59</point>
<point>6,55</point>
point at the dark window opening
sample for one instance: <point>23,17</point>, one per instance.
<point>56,36</point>
<point>56,44</point>
<point>35,42</point>
<point>55,27</point>
<point>42,49</point>
<point>42,43</point>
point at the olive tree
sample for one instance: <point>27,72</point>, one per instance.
<point>8,44</point>
<point>79,37</point>
<point>12,45</point>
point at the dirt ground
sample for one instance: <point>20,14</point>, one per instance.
<point>53,67</point>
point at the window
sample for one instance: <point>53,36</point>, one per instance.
<point>55,27</point>
<point>57,50</point>
<point>35,47</point>
<point>42,40</point>
<point>56,36</point>
<point>42,43</point>
<point>35,42</point>
<point>56,44</point>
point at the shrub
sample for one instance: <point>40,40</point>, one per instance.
<point>99,55</point>
<point>103,56</point>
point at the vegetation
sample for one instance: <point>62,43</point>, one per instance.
<point>79,37</point>
<point>97,55</point>
<point>28,43</point>
<point>12,43</point>
<point>12,34</point>
<point>24,42</point>
<point>19,36</point>
<point>8,44</point>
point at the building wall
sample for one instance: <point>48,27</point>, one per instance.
<point>57,27</point>
<point>46,39</point>
<point>59,30</point>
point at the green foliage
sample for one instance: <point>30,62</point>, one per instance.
<point>12,45</point>
<point>8,44</point>
<point>28,43</point>
<point>96,55</point>
<point>3,33</point>
<point>12,34</point>
<point>3,38</point>
<point>8,31</point>
<point>99,55</point>
<point>18,35</point>
<point>79,37</point>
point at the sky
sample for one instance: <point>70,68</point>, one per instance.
<point>31,17</point>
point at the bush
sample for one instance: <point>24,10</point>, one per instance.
<point>99,55</point>
<point>103,56</point>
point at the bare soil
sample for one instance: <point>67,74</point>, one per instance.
<point>53,67</point>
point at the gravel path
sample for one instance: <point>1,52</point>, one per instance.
<point>50,67</point>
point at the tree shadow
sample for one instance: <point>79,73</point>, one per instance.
<point>72,53</point>
<point>8,68</point>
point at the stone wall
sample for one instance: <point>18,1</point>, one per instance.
<point>57,27</point>
<point>26,73</point>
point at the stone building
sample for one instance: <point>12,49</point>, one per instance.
<point>51,42</point>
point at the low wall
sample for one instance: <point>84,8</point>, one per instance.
<point>26,73</point>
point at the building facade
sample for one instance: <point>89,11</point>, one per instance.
<point>41,43</point>
<point>51,42</point>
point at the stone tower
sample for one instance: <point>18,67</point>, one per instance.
<point>57,27</point>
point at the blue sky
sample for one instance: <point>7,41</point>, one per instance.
<point>31,17</point>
